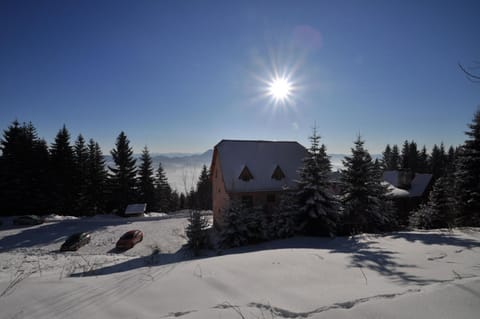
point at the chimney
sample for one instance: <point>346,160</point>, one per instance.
<point>405,178</point>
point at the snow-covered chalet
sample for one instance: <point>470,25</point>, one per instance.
<point>252,172</point>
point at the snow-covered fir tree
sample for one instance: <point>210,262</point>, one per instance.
<point>319,210</point>
<point>235,231</point>
<point>284,219</point>
<point>468,176</point>
<point>196,231</point>
<point>439,212</point>
<point>365,205</point>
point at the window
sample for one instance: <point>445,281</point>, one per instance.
<point>278,174</point>
<point>245,175</point>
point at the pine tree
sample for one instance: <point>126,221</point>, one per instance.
<point>404,156</point>
<point>468,176</point>
<point>395,158</point>
<point>364,202</point>
<point>80,157</point>
<point>163,191</point>
<point>196,231</point>
<point>319,210</point>
<point>24,165</point>
<point>204,190</point>
<point>96,179</point>
<point>387,158</point>
<point>423,161</point>
<point>146,180</point>
<point>63,173</point>
<point>413,156</point>
<point>439,212</point>
<point>451,161</point>
<point>123,174</point>
<point>437,161</point>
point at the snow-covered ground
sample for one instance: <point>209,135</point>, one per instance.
<point>420,274</point>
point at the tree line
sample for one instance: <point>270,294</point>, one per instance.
<point>73,179</point>
<point>364,204</point>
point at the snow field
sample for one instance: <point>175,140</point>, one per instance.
<point>428,274</point>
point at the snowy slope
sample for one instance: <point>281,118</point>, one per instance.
<point>432,274</point>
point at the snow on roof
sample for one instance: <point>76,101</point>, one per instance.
<point>418,186</point>
<point>134,209</point>
<point>261,158</point>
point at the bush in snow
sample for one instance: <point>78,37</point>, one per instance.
<point>196,231</point>
<point>365,205</point>
<point>234,232</point>
<point>439,212</point>
<point>284,219</point>
<point>242,225</point>
<point>319,210</point>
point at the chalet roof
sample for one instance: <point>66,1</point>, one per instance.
<point>418,186</point>
<point>262,159</point>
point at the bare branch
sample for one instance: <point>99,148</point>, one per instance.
<point>472,77</point>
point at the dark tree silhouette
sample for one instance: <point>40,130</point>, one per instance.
<point>468,176</point>
<point>146,189</point>
<point>63,173</point>
<point>122,178</point>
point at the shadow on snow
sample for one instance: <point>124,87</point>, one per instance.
<point>364,252</point>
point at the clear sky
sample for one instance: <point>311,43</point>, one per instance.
<point>179,76</point>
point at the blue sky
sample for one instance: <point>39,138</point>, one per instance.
<point>179,76</point>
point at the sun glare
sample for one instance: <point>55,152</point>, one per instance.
<point>280,89</point>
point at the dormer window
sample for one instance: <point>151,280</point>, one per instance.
<point>278,174</point>
<point>245,175</point>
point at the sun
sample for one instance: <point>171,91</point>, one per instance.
<point>280,89</point>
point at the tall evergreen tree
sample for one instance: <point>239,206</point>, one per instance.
<point>395,158</point>
<point>363,197</point>
<point>468,176</point>
<point>204,190</point>
<point>63,173</point>
<point>96,179</point>
<point>163,191</point>
<point>404,156</point>
<point>122,178</point>
<point>437,161</point>
<point>413,156</point>
<point>387,158</point>
<point>23,171</point>
<point>146,180</point>
<point>439,212</point>
<point>319,210</point>
<point>80,156</point>
<point>451,161</point>
<point>423,161</point>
